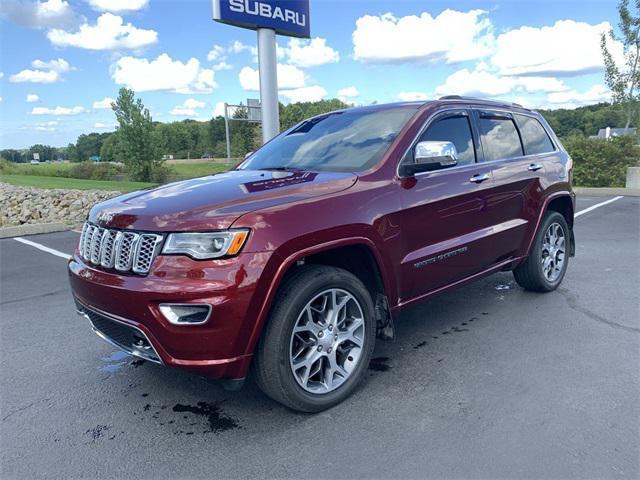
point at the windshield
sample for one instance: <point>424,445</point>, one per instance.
<point>348,141</point>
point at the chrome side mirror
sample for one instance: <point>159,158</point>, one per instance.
<point>431,155</point>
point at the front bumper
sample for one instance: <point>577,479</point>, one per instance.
<point>124,310</point>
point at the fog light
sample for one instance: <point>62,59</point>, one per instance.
<point>185,313</point>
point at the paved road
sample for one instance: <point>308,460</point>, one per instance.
<point>484,382</point>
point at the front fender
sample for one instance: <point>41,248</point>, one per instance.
<point>285,258</point>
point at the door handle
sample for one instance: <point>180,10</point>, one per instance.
<point>480,178</point>
<point>534,167</point>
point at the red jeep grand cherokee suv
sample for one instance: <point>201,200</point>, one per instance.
<point>291,263</point>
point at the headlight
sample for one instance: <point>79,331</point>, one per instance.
<point>203,246</point>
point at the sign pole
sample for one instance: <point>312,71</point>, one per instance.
<point>268,83</point>
<point>226,130</point>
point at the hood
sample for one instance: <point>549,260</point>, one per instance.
<point>214,202</point>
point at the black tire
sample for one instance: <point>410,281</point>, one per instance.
<point>529,274</point>
<point>271,368</point>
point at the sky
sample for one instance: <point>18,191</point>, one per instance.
<point>63,61</point>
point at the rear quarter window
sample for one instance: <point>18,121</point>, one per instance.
<point>534,136</point>
<point>499,137</point>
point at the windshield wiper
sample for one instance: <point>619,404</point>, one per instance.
<point>282,169</point>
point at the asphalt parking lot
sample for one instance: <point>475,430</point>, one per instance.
<point>484,382</point>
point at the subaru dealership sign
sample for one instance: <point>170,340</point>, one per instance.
<point>285,17</point>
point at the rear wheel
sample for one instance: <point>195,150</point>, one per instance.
<point>547,263</point>
<point>319,339</point>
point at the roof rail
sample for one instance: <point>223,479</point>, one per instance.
<point>459,97</point>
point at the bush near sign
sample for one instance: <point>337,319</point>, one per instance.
<point>286,17</point>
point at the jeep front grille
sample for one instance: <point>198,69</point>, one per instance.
<point>124,250</point>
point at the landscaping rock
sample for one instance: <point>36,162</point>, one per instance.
<point>27,205</point>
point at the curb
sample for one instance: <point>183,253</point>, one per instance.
<point>33,229</point>
<point>608,191</point>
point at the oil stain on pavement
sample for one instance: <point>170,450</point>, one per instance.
<point>218,421</point>
<point>379,364</point>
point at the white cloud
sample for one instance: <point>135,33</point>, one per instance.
<point>222,66</point>
<point>309,53</point>
<point>289,77</point>
<point>163,73</point>
<point>219,110</point>
<point>565,48</point>
<point>1,74</point>
<point>482,83</point>
<point>348,94</point>
<point>35,76</point>
<point>118,5</point>
<point>573,99</point>
<point>44,72</point>
<point>216,53</point>
<point>188,108</point>
<point>239,47</point>
<point>58,111</point>
<point>104,104</point>
<point>39,14</point>
<point>452,36</point>
<point>412,96</point>
<point>304,94</point>
<point>60,65</point>
<point>46,126</point>
<point>32,98</point>
<point>109,33</point>
<point>101,125</point>
<point>0,99</point>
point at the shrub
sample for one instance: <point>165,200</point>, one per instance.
<point>6,166</point>
<point>95,171</point>
<point>602,163</point>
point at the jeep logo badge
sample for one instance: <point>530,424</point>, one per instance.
<point>105,217</point>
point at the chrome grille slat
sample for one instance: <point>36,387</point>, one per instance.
<point>96,239</point>
<point>146,250</point>
<point>107,257</point>
<point>123,250</point>
<point>124,255</point>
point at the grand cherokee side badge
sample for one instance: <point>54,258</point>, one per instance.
<point>442,256</point>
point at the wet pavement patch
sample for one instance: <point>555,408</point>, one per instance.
<point>218,421</point>
<point>379,364</point>
<point>114,362</point>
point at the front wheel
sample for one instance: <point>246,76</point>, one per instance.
<point>319,339</point>
<point>548,259</point>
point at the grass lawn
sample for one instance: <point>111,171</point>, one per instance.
<point>49,176</point>
<point>192,170</point>
<point>62,182</point>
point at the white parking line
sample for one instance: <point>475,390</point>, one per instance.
<point>68,257</point>
<point>597,205</point>
<point>43,248</point>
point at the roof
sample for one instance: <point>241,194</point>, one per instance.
<point>447,99</point>
<point>615,132</point>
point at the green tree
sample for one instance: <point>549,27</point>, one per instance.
<point>71,153</point>
<point>89,145</point>
<point>110,149</point>
<point>135,137</point>
<point>624,80</point>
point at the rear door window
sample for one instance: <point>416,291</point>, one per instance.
<point>457,130</point>
<point>499,137</point>
<point>534,136</point>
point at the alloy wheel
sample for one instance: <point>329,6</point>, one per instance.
<point>553,252</point>
<point>327,341</point>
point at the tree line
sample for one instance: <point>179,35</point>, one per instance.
<point>183,139</point>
